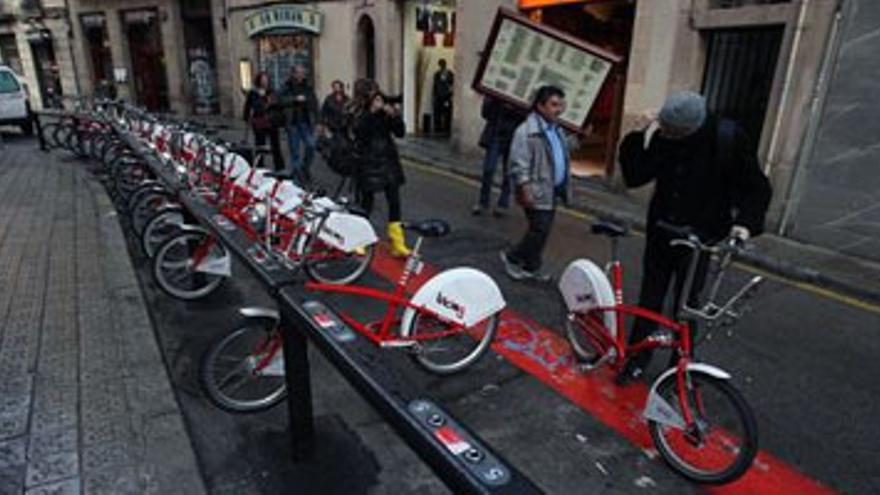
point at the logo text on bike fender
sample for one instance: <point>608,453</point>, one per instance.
<point>583,298</point>
<point>334,234</point>
<point>447,303</point>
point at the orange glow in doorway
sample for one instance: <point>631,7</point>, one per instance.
<point>533,4</point>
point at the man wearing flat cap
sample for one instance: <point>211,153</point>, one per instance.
<point>706,177</point>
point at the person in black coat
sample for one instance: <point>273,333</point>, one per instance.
<point>380,170</point>
<point>707,177</point>
<point>502,119</point>
<point>258,106</point>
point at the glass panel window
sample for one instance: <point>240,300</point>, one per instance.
<point>8,83</point>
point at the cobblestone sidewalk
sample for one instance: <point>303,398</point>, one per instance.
<point>85,401</point>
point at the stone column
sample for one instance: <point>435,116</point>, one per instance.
<point>227,68</point>
<point>28,66</point>
<point>60,30</point>
<point>81,60</point>
<point>119,53</point>
<point>173,47</point>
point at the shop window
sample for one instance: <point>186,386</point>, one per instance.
<point>280,53</point>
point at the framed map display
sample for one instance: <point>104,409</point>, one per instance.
<point>520,56</point>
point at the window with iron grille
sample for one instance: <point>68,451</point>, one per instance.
<point>740,67</point>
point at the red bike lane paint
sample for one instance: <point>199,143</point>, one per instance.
<point>546,355</point>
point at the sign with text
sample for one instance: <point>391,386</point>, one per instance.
<point>284,17</point>
<point>521,56</point>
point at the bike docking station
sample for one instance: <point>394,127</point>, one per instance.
<point>456,454</point>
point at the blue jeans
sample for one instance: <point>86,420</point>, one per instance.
<point>490,164</point>
<point>301,134</point>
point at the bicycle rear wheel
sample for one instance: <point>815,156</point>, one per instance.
<point>174,266</point>
<point>454,352</point>
<point>723,442</point>
<point>584,332</point>
<point>243,371</point>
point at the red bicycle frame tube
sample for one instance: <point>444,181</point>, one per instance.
<point>395,301</point>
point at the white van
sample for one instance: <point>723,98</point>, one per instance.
<point>14,106</point>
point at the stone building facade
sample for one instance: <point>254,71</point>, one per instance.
<point>35,41</point>
<point>765,63</point>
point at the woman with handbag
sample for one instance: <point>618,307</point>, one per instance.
<point>258,109</point>
<point>380,168</point>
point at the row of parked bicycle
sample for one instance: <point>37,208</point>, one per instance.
<point>701,425</point>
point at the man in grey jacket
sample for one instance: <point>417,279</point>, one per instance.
<point>539,165</point>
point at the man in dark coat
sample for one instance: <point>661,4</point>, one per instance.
<point>707,178</point>
<point>333,116</point>
<point>502,119</point>
<point>442,98</point>
<point>301,108</point>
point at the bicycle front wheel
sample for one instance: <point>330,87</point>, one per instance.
<point>162,226</point>
<point>243,371</point>
<point>146,207</point>
<point>174,267</point>
<point>454,349</point>
<point>721,444</point>
<point>325,264</point>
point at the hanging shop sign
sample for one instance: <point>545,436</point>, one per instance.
<point>284,17</point>
<point>520,56</point>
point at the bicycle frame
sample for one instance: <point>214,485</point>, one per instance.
<point>381,332</point>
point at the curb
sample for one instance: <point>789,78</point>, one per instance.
<point>773,265</point>
<point>163,424</point>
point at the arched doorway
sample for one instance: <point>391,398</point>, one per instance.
<point>366,62</point>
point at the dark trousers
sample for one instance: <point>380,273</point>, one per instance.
<point>494,151</point>
<point>271,134</point>
<point>661,265</point>
<point>527,254</point>
<point>392,196</point>
<point>442,116</point>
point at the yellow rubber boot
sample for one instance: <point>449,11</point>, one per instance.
<point>398,240</point>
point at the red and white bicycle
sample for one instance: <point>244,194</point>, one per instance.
<point>701,425</point>
<point>447,325</point>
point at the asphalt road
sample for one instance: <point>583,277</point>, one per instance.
<point>804,362</point>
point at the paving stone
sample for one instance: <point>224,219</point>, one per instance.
<point>151,396</point>
<point>66,487</point>
<point>12,480</point>
<point>54,418</point>
<point>12,425</point>
<point>12,453</point>
<point>101,456</point>
<point>122,480</point>
<point>114,430</point>
<point>46,443</point>
<point>52,468</point>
